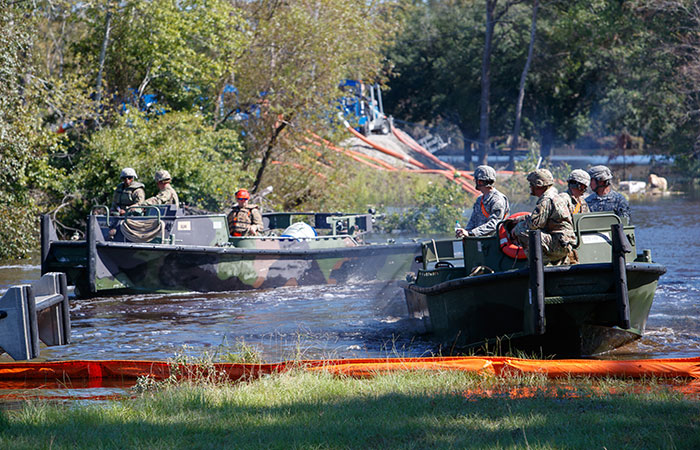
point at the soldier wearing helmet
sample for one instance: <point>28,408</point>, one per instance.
<point>552,216</point>
<point>604,198</point>
<point>490,208</point>
<point>578,182</point>
<point>244,219</point>
<point>166,193</point>
<point>129,192</point>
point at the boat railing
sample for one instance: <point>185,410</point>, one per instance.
<point>337,222</point>
<point>441,253</point>
<point>35,312</point>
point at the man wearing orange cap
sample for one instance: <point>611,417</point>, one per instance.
<point>244,219</point>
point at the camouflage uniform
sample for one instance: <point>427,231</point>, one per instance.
<point>488,210</point>
<point>551,215</point>
<point>575,206</point>
<point>125,196</point>
<point>166,196</point>
<point>612,201</point>
<point>240,220</point>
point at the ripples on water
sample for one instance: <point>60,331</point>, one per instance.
<point>367,320</point>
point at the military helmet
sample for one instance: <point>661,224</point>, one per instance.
<point>128,172</point>
<point>579,176</point>
<point>601,173</point>
<point>162,175</point>
<point>540,178</point>
<point>242,194</point>
<point>485,173</point>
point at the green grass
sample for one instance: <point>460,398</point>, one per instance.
<point>401,410</point>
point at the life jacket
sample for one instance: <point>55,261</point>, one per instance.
<point>240,220</point>
<point>127,195</point>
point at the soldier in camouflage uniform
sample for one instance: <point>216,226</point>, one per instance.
<point>129,192</point>
<point>490,208</point>
<point>166,194</point>
<point>603,197</point>
<point>578,183</point>
<point>551,216</point>
<point>244,219</point>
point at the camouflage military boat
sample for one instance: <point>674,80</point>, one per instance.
<point>516,302</point>
<point>166,251</point>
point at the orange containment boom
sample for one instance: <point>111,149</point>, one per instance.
<point>14,375</point>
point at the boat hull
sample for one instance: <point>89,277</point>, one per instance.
<point>581,312</point>
<point>129,267</point>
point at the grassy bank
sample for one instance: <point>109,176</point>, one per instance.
<point>404,410</point>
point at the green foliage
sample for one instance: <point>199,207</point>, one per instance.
<point>180,50</point>
<point>436,208</point>
<point>292,78</point>
<point>204,163</point>
<point>25,176</point>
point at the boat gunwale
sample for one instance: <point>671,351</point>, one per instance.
<point>459,283</point>
<point>373,248</point>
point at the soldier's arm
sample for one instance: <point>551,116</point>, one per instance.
<point>140,195</point>
<point>538,219</point>
<point>625,208</point>
<point>257,224</point>
<point>158,199</point>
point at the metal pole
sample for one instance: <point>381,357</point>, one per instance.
<point>536,280</point>
<point>621,246</point>
<point>45,222</point>
<point>92,228</point>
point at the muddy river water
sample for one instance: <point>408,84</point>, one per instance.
<point>366,320</point>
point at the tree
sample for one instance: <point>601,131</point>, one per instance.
<point>521,90</point>
<point>180,50</point>
<point>287,79</point>
<point>24,169</point>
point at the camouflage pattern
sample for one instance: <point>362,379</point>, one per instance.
<point>128,172</point>
<point>199,256</point>
<point>551,215</point>
<point>166,196</point>
<point>540,178</point>
<point>245,221</point>
<point>496,205</point>
<point>162,175</point>
<point>601,173</point>
<point>485,173</point>
<point>575,205</point>
<point>125,196</point>
<point>612,201</point>
<point>580,176</point>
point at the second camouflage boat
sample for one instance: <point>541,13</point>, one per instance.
<point>196,253</point>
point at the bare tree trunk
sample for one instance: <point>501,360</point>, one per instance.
<point>267,155</point>
<point>485,106</point>
<point>103,51</point>
<point>521,91</point>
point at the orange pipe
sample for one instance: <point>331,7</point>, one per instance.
<point>385,150</point>
<point>349,152</point>
<point>401,136</point>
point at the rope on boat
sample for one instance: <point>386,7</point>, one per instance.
<point>142,230</point>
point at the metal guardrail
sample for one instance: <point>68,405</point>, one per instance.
<point>35,312</point>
